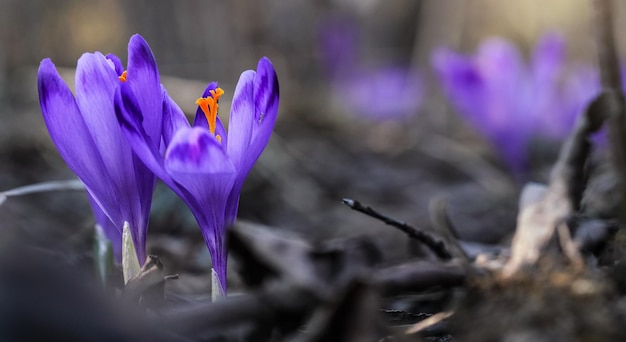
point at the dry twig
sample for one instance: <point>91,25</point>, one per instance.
<point>428,322</point>
<point>612,85</point>
<point>549,207</point>
<point>437,246</point>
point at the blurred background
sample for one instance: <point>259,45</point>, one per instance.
<point>383,133</point>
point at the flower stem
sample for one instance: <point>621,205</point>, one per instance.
<point>103,255</point>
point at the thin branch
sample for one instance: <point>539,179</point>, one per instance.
<point>428,322</point>
<point>436,245</point>
<point>611,83</point>
<point>607,52</point>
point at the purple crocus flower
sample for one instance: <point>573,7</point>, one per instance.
<point>502,97</point>
<point>201,163</point>
<point>579,88</point>
<point>87,134</point>
<point>377,93</point>
<point>338,38</point>
<point>386,93</point>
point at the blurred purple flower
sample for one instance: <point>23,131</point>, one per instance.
<point>201,163</point>
<point>337,39</point>
<point>510,102</point>
<point>87,134</point>
<point>381,94</point>
<point>376,93</point>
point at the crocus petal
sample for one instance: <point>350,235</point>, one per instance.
<point>501,65</point>
<point>173,118</point>
<point>578,90</point>
<point>67,127</point>
<point>143,78</point>
<point>496,55</point>
<point>462,82</point>
<point>266,98</point>
<point>71,135</point>
<point>95,88</point>
<point>242,118</point>
<point>492,92</point>
<point>548,58</point>
<point>221,131</point>
<point>90,141</point>
<point>198,162</point>
<point>130,117</point>
<point>509,97</point>
<point>266,94</point>
<point>133,184</point>
<point>117,63</point>
<point>196,150</point>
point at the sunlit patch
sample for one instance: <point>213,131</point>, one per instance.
<point>209,106</point>
<point>122,77</point>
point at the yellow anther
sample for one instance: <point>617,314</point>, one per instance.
<point>123,76</point>
<point>209,107</point>
<point>216,93</point>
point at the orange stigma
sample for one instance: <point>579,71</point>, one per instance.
<point>123,76</point>
<point>209,107</point>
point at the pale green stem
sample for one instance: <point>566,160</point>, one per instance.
<point>103,251</point>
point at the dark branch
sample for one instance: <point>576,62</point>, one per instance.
<point>611,83</point>
<point>437,246</point>
<point>605,40</point>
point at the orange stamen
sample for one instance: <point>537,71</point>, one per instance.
<point>123,76</point>
<point>209,106</point>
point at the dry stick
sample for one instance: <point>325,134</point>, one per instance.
<point>610,77</point>
<point>437,246</point>
<point>428,322</point>
<point>274,303</point>
<point>538,219</point>
<point>443,225</point>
